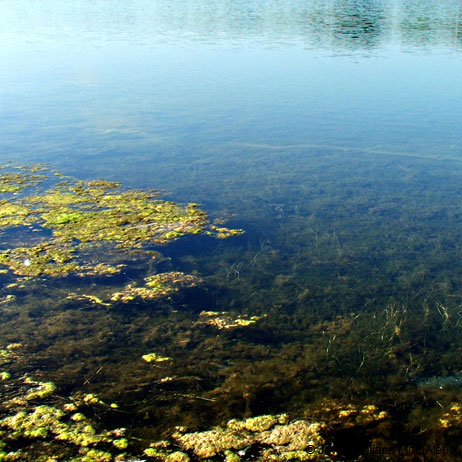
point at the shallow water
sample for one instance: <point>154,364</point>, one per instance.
<point>329,131</point>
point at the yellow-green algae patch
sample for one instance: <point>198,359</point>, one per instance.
<point>14,182</point>
<point>43,389</point>
<point>9,354</point>
<point>276,438</point>
<point>89,298</point>
<point>45,428</point>
<point>12,214</point>
<point>156,286</point>
<point>50,258</point>
<point>268,437</point>
<point>73,219</point>
<point>7,298</point>
<point>155,358</point>
<point>224,321</point>
<point>49,427</point>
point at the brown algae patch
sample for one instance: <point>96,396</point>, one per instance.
<point>74,218</point>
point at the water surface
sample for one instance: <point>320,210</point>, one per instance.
<point>328,130</point>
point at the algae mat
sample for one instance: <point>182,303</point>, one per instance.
<point>71,224</point>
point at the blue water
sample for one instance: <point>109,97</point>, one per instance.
<point>82,80</point>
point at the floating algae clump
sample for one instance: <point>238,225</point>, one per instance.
<point>14,182</point>
<point>76,221</point>
<point>224,321</point>
<point>271,437</point>
<point>156,286</point>
<point>43,389</point>
<point>155,358</point>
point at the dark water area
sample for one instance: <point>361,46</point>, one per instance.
<point>329,131</point>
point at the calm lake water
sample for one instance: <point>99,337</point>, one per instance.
<point>329,130</point>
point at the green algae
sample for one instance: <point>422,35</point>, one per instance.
<point>15,182</point>
<point>54,428</point>
<point>121,443</point>
<point>177,456</point>
<point>151,452</point>
<point>50,258</point>
<point>275,437</point>
<point>93,299</point>
<point>156,286</point>
<point>155,358</point>
<point>94,455</point>
<point>42,390</point>
<point>224,321</point>
<point>12,214</point>
<point>230,456</point>
<point>73,219</point>
<point>9,354</point>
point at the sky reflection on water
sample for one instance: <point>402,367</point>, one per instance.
<point>79,78</point>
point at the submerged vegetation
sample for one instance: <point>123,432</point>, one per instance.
<point>39,425</point>
<point>218,352</point>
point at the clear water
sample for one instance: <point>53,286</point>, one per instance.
<point>328,130</point>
